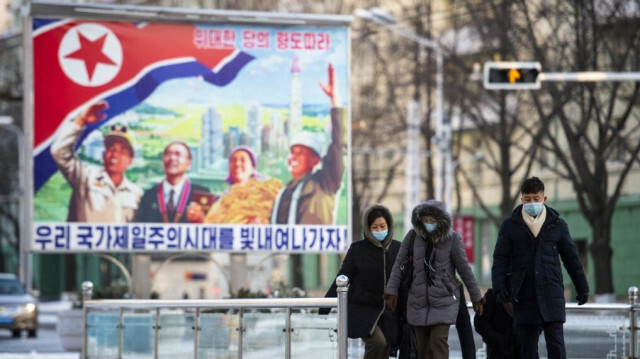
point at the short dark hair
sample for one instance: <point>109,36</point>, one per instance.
<point>375,214</point>
<point>532,185</point>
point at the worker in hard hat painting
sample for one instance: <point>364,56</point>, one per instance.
<point>310,196</point>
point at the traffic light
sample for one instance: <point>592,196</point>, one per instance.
<point>511,75</point>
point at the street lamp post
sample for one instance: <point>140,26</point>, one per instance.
<point>443,128</point>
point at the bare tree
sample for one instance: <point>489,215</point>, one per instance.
<point>597,144</point>
<point>494,118</point>
<point>590,130</point>
<point>10,105</point>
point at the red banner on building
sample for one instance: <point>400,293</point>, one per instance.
<point>465,226</point>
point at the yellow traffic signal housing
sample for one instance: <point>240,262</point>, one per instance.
<point>511,75</point>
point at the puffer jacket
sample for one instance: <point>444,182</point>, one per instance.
<point>368,264</point>
<point>530,267</point>
<point>438,303</point>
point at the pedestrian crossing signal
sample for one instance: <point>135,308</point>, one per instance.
<point>511,75</point>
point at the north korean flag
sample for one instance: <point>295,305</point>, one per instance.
<point>76,63</point>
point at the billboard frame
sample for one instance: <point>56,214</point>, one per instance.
<point>132,13</point>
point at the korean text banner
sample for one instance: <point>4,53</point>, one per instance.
<point>233,132</point>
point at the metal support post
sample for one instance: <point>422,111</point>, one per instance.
<point>156,335</point>
<point>287,335</point>
<point>343,340</point>
<point>240,331</point>
<point>87,293</point>
<point>120,331</point>
<point>196,333</point>
<point>633,322</point>
<point>87,290</point>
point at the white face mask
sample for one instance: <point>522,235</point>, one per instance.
<point>430,227</point>
<point>533,209</point>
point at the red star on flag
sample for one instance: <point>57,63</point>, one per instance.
<point>91,53</point>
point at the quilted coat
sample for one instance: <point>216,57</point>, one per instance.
<point>437,303</point>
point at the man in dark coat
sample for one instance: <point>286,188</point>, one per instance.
<point>497,329</point>
<point>168,200</point>
<point>526,270</point>
<point>368,265</point>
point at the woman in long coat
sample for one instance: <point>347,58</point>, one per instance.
<point>433,301</point>
<point>368,264</point>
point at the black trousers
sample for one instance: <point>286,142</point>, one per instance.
<point>553,335</point>
<point>465,330</point>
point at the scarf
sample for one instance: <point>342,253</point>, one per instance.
<point>535,223</point>
<point>429,260</point>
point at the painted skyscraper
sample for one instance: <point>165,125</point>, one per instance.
<point>212,145</point>
<point>254,128</point>
<point>294,125</point>
<point>277,137</point>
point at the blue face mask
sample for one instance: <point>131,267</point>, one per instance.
<point>430,227</point>
<point>380,236</point>
<point>533,209</point>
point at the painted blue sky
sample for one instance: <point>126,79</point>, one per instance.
<point>267,79</point>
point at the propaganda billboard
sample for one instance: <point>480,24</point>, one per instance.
<point>160,136</point>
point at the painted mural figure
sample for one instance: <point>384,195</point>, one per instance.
<point>310,197</point>
<point>168,200</point>
<point>103,195</point>
<point>248,199</point>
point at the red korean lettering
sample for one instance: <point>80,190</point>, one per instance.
<point>282,40</point>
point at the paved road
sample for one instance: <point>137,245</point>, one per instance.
<point>45,345</point>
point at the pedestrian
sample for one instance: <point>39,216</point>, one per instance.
<point>367,264</point>
<point>527,272</point>
<point>434,298</point>
<point>497,328</point>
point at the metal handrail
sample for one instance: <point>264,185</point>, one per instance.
<point>633,308</point>
<point>248,303</point>
<point>155,305</point>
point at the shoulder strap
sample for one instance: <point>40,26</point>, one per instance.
<point>413,237</point>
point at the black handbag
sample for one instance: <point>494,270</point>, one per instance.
<point>406,335</point>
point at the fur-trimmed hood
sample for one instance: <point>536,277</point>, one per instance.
<point>366,231</point>
<point>437,210</point>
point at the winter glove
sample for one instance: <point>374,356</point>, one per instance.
<point>391,301</point>
<point>503,296</point>
<point>582,298</point>
<point>478,307</point>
